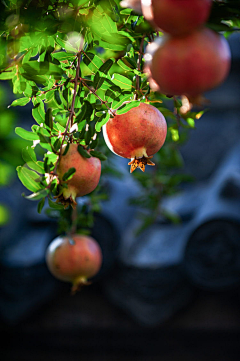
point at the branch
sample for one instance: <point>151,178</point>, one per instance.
<point>70,118</point>
<point>139,63</point>
<point>94,92</point>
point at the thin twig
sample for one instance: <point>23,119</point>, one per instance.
<point>94,92</point>
<point>139,64</point>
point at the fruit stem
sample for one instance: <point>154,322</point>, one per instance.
<point>74,217</point>
<point>78,283</point>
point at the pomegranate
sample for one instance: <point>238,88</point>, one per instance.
<point>177,17</point>
<point>84,180</point>
<point>137,134</point>
<point>74,259</point>
<point>190,65</point>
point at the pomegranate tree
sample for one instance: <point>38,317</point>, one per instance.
<point>137,134</point>
<point>74,259</point>
<point>86,177</point>
<point>177,17</point>
<point>190,65</point>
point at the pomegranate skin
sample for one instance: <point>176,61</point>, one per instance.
<point>74,259</point>
<point>180,17</point>
<point>192,64</point>
<point>140,132</point>
<point>86,177</point>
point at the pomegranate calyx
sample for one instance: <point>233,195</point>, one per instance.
<point>140,163</point>
<point>70,201</point>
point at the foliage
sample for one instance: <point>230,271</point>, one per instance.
<point>77,62</point>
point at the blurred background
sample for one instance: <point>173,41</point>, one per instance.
<point>171,293</point>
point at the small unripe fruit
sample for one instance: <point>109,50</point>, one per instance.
<point>137,134</point>
<point>74,259</point>
<point>86,177</point>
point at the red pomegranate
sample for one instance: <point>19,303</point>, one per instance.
<point>192,64</point>
<point>137,134</point>
<point>74,259</point>
<point>177,17</point>
<point>86,177</point>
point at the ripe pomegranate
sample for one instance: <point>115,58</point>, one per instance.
<point>177,17</point>
<point>137,134</point>
<point>74,259</point>
<point>86,177</point>
<point>190,65</point>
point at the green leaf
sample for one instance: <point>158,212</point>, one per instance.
<point>98,155</point>
<point>44,135</point>
<point>29,157</point>
<point>117,103</point>
<point>83,152</point>
<point>41,205</point>
<point>98,81</point>
<point>122,81</point>
<point>38,195</point>
<point>82,113</point>
<point>69,174</point>
<point>49,118</point>
<point>57,97</point>
<point>55,205</point>
<point>38,111</point>
<point>128,106</point>
<point>92,61</point>
<point>25,134</point>
<point>125,65</point>
<point>89,110</point>
<point>66,45</point>
<point>103,121</point>
<point>66,149</point>
<point>106,66</point>
<point>62,55</point>
<point>7,75</point>
<point>20,101</point>
<point>57,144</point>
<point>191,122</point>
<point>29,178</point>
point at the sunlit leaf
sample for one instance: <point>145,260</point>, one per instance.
<point>103,121</point>
<point>25,134</point>
<point>20,101</point>
<point>30,158</point>
<point>122,81</point>
<point>38,195</point>
<point>128,106</point>
<point>29,178</point>
<point>69,174</point>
